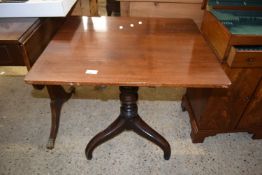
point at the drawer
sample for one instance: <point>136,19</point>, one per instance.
<point>39,38</point>
<point>24,42</point>
<point>10,55</point>
<point>168,9</point>
<point>245,56</point>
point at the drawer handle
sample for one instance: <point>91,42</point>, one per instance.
<point>250,60</point>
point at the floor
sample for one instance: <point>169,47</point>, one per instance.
<point>25,123</point>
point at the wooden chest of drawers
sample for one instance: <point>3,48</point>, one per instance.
<point>239,108</point>
<point>22,40</point>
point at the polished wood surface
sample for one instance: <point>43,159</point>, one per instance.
<point>12,29</point>
<point>22,40</point>
<point>158,52</point>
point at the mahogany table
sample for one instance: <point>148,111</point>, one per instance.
<point>129,53</point>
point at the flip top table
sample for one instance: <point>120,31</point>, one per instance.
<point>129,53</point>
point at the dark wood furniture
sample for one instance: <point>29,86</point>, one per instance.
<point>22,40</point>
<point>113,6</point>
<point>237,109</point>
<point>129,53</point>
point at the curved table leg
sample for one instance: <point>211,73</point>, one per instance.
<point>183,103</point>
<point>128,119</point>
<point>58,97</point>
<point>111,131</point>
<point>144,130</point>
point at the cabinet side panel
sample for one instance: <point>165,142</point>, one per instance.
<point>244,82</point>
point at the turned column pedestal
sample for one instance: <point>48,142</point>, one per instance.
<point>128,120</point>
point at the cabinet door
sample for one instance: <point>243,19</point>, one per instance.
<point>221,109</point>
<point>252,117</point>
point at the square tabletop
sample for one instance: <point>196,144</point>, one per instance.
<point>125,51</point>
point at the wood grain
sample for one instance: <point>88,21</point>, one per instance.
<point>11,29</point>
<point>158,52</point>
<point>221,39</point>
<point>252,116</point>
<point>214,111</point>
<point>217,34</point>
<point>22,40</point>
<point>221,109</point>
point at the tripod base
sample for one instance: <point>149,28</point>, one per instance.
<point>128,119</point>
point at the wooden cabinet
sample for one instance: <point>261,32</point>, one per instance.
<point>222,39</point>
<point>238,108</point>
<point>215,111</point>
<point>163,8</point>
<point>85,8</point>
<point>22,40</point>
<point>252,117</point>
